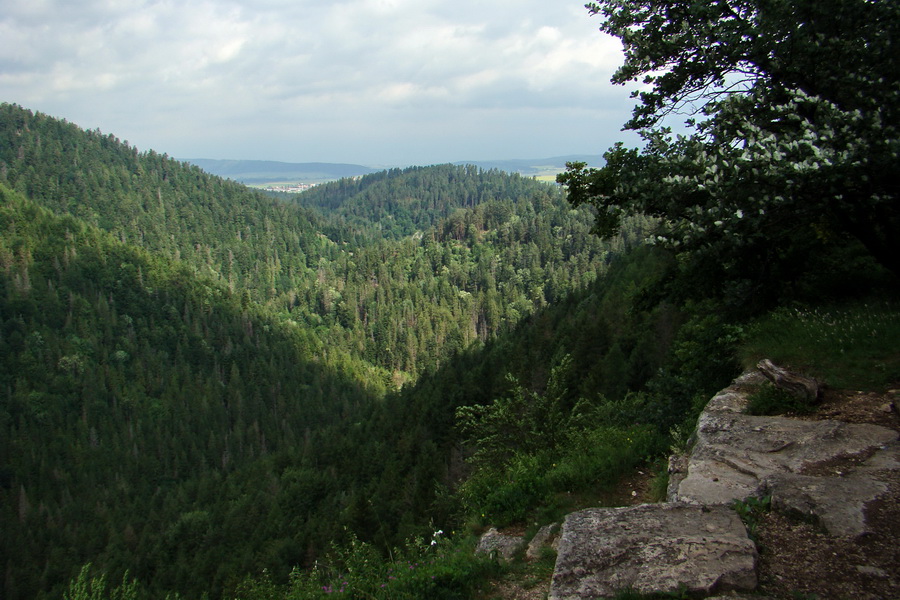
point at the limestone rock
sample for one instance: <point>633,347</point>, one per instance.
<point>836,503</point>
<point>736,456</point>
<point>546,537</point>
<point>652,548</point>
<point>677,469</point>
<point>500,544</point>
<point>735,452</point>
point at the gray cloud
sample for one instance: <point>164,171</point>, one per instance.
<point>372,81</point>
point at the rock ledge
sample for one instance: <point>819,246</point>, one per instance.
<point>827,471</point>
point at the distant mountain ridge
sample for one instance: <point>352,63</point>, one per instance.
<point>536,166</point>
<point>262,172</point>
<point>258,172</point>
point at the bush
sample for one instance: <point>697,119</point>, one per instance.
<point>86,587</point>
<point>587,461</point>
<point>751,511</point>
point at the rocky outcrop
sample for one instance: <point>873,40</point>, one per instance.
<point>501,545</point>
<point>653,548</point>
<point>828,471</point>
<point>736,456</point>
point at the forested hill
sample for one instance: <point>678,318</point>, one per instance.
<point>403,201</point>
<point>223,229</point>
<point>402,268</point>
<point>140,405</point>
<point>196,378</point>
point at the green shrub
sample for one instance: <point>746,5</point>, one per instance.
<point>751,511</point>
<point>87,587</point>
<point>770,400</point>
<point>436,569</point>
<point>587,461</point>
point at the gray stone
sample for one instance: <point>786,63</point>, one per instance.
<point>873,571</point>
<point>735,452</point>
<point>836,503</point>
<point>652,548</point>
<point>501,545</point>
<point>677,469</point>
<point>546,537</point>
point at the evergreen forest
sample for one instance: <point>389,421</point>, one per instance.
<point>202,382</point>
<point>208,391</point>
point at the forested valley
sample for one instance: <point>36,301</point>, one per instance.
<point>201,382</point>
<point>210,392</point>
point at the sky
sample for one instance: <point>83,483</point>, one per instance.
<point>371,82</point>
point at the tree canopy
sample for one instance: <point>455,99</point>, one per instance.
<point>792,141</point>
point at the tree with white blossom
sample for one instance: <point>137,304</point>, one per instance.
<point>792,144</point>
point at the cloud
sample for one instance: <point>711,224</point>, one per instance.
<point>290,78</point>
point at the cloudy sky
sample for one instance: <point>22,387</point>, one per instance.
<point>375,82</point>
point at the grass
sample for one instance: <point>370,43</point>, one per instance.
<point>530,574</point>
<point>850,346</point>
<point>547,178</point>
<point>659,485</point>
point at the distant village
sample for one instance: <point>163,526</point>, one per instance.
<point>294,188</point>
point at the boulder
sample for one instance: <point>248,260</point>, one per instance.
<point>546,537</point>
<point>501,545</point>
<point>653,548</point>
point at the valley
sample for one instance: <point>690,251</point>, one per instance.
<point>209,391</point>
<point>202,382</point>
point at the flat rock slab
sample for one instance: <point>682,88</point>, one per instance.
<point>651,548</point>
<point>838,501</point>
<point>736,456</point>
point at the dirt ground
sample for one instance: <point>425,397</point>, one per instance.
<point>798,560</point>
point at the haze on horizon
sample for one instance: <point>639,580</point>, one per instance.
<point>372,82</point>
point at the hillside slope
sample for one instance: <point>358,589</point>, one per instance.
<point>140,400</point>
<point>186,360</point>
